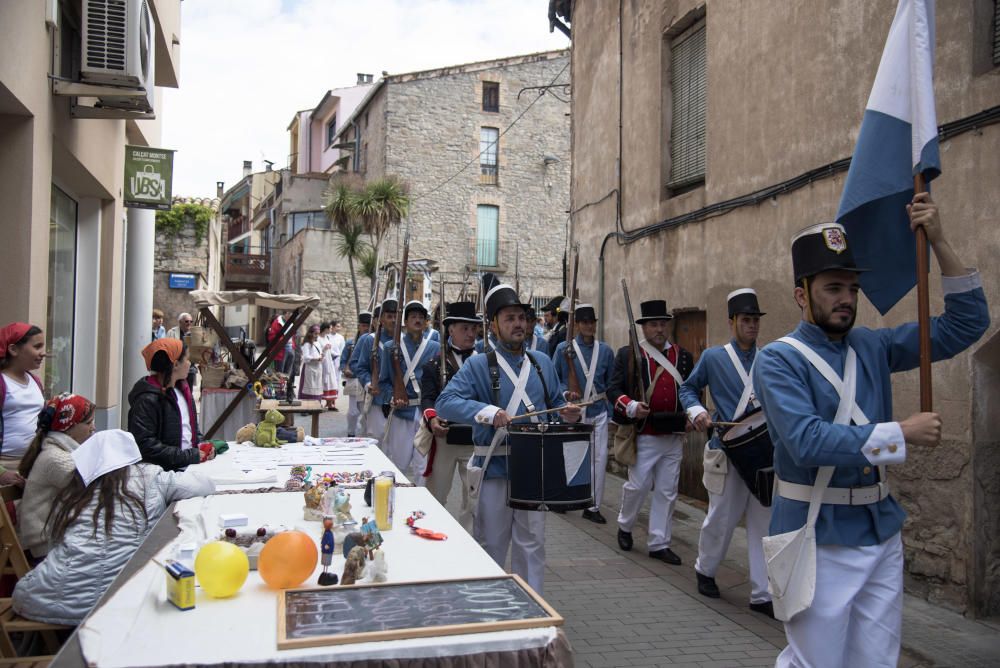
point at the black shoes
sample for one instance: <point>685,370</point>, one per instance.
<point>666,555</point>
<point>624,540</point>
<point>707,586</point>
<point>594,516</point>
<point>558,511</point>
<point>765,608</point>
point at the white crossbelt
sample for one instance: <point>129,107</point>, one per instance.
<point>847,411</point>
<point>747,379</point>
<point>662,361</point>
<point>411,365</point>
<point>518,396</point>
<point>590,373</point>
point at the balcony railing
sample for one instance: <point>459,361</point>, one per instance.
<point>487,254</point>
<point>238,226</point>
<point>489,175</point>
<point>247,268</point>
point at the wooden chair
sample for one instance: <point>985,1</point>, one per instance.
<point>14,562</point>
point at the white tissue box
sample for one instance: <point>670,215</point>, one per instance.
<point>227,520</point>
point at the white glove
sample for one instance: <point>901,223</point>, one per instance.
<point>631,409</point>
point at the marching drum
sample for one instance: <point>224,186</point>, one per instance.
<point>749,448</point>
<point>550,466</point>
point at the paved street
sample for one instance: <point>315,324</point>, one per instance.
<point>624,609</point>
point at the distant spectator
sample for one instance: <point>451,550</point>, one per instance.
<point>161,412</point>
<point>159,331</point>
<point>330,373</point>
<point>337,345</point>
<point>183,328</point>
<point>97,523</point>
<point>311,381</point>
<point>47,467</point>
<point>22,349</point>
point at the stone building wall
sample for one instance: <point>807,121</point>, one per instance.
<point>180,254</point>
<point>785,95</point>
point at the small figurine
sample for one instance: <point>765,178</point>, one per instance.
<point>342,506</point>
<point>267,430</point>
<point>326,578</point>
<point>376,569</point>
<point>297,478</point>
<point>373,537</point>
<point>354,566</point>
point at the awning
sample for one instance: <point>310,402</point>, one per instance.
<point>203,298</point>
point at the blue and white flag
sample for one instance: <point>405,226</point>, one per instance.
<point>898,140</point>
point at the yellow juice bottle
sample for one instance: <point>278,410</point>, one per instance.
<point>384,498</point>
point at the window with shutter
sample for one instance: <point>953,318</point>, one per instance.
<point>488,164</point>
<point>491,96</point>
<point>487,232</point>
<point>688,88</point>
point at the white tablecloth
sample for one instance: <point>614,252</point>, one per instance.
<point>138,627</point>
<point>214,402</point>
<point>247,467</point>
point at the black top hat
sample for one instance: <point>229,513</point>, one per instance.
<point>501,296</point>
<point>585,312</point>
<point>489,281</point>
<point>655,309</point>
<point>460,312</point>
<point>414,305</point>
<point>743,301</point>
<point>552,306</point>
<point>390,306</point>
<point>365,318</point>
<point>820,248</point>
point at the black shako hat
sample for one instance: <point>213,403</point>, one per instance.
<point>819,248</point>
<point>415,305</point>
<point>585,312</point>
<point>743,301</point>
<point>655,309</point>
<point>365,318</point>
<point>390,306</point>
<point>502,296</point>
<point>377,313</point>
<point>552,306</point>
<point>461,312</point>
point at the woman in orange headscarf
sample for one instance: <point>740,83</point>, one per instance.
<point>161,412</point>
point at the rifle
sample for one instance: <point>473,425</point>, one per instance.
<point>517,268</point>
<point>634,371</point>
<point>572,380</point>
<point>399,393</point>
<point>486,320</point>
<point>443,335</point>
<point>374,361</point>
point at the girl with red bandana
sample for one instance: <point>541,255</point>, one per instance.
<point>22,349</point>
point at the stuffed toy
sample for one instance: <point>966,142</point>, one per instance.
<point>267,430</point>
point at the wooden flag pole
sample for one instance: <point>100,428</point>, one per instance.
<point>923,308</point>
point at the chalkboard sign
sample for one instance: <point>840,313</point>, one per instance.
<point>391,611</point>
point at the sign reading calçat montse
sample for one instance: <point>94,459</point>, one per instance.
<point>148,177</point>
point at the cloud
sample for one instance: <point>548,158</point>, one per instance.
<point>248,65</point>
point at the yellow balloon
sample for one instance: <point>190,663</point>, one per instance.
<point>221,569</point>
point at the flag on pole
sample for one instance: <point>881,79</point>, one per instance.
<point>898,140</point>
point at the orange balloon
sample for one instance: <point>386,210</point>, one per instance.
<point>287,559</point>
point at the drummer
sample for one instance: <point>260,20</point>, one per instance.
<point>593,360</point>
<point>725,371</point>
<point>527,381</point>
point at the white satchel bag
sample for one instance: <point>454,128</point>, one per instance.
<point>791,556</point>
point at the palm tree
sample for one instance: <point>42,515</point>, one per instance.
<point>383,203</point>
<point>342,209</point>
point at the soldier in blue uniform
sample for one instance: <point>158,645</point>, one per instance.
<point>353,407</point>
<point>594,361</point>
<point>725,370</point>
<point>526,382</point>
<point>375,404</point>
<point>856,612</point>
<point>416,348</point>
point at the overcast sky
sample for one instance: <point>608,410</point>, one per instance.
<point>248,65</point>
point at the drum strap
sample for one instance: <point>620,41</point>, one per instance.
<point>747,397</point>
<point>591,371</point>
<point>494,362</point>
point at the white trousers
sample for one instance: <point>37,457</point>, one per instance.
<point>353,414</point>
<point>600,423</point>
<point>857,611</point>
<point>657,468</point>
<point>447,459</point>
<point>375,428</point>
<point>399,447</point>
<point>499,528</point>
<point>724,513</point>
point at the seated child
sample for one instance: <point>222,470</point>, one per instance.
<point>97,523</point>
